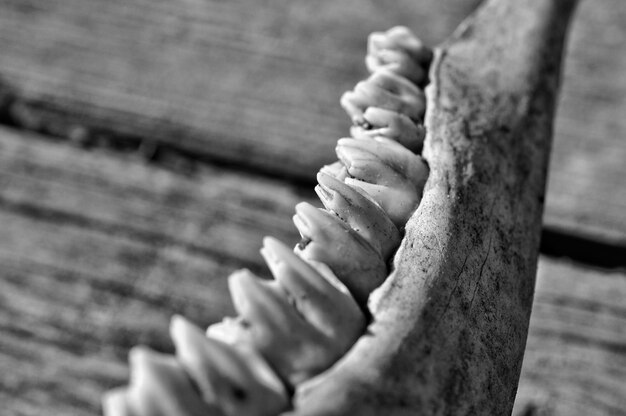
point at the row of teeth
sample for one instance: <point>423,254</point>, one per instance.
<point>294,327</point>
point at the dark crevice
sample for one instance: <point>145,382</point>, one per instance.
<point>554,243</point>
<point>581,249</point>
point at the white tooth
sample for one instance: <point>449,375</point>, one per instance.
<point>353,260</point>
<point>399,202</point>
<point>230,330</point>
<point>401,38</point>
<point>160,387</point>
<point>294,348</point>
<point>405,162</point>
<point>394,126</point>
<point>397,61</point>
<point>115,403</point>
<point>239,383</point>
<point>360,212</point>
<point>328,309</point>
<point>384,89</point>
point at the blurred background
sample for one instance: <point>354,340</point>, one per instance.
<point>146,147</point>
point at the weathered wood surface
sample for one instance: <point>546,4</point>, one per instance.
<point>575,360</point>
<point>259,86</point>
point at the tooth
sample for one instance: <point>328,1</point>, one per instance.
<point>294,348</point>
<point>240,383</point>
<point>360,212</point>
<point>160,387</point>
<point>354,106</point>
<point>328,309</point>
<point>373,170</point>
<point>385,90</point>
<point>336,170</point>
<point>400,37</point>
<point>398,201</point>
<point>230,330</point>
<point>395,126</point>
<point>355,262</point>
<point>396,61</point>
<point>115,403</point>
<point>408,164</point>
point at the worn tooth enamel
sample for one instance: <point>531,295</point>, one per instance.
<point>361,213</point>
<point>239,381</point>
<point>394,126</point>
<point>398,62</point>
<point>159,386</point>
<point>352,105</point>
<point>330,310</point>
<point>399,201</point>
<point>383,89</point>
<point>406,163</point>
<point>292,328</point>
<point>230,330</point>
<point>293,347</point>
<point>402,39</point>
<point>332,242</point>
<point>408,99</point>
<point>337,170</point>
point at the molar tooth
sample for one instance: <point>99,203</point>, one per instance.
<point>115,402</point>
<point>294,348</point>
<point>395,126</point>
<point>361,213</point>
<point>356,263</point>
<point>159,386</point>
<point>336,169</point>
<point>328,309</point>
<point>238,380</point>
<point>399,202</point>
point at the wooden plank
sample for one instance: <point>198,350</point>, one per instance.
<point>575,360</point>
<point>586,189</point>
<point>98,252</point>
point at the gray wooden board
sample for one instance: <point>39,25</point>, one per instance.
<point>98,251</point>
<point>259,86</point>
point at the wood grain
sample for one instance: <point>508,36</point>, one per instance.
<point>259,86</point>
<point>575,360</point>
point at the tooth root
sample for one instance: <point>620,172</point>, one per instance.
<point>398,202</point>
<point>330,310</point>
<point>360,212</point>
<point>241,384</point>
<point>355,262</point>
<point>160,387</point>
